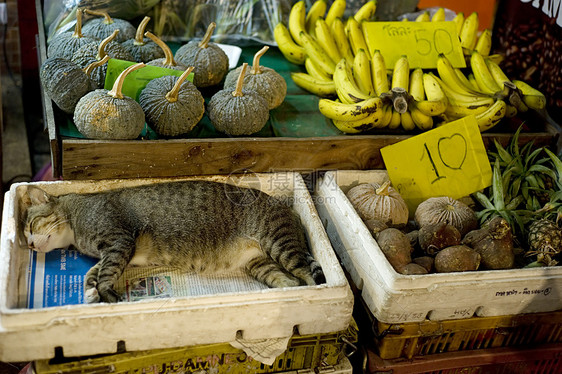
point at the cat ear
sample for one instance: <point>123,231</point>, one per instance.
<point>37,196</point>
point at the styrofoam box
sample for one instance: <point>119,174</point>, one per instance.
<point>397,298</point>
<point>30,334</point>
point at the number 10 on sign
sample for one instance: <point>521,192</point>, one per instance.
<point>450,160</point>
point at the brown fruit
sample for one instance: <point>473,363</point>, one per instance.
<point>447,210</point>
<point>456,258</point>
<point>413,269</point>
<point>396,247</point>
<point>436,236</point>
<point>494,243</point>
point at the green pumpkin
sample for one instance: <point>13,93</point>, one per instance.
<point>238,112</point>
<point>208,59</point>
<point>109,115</point>
<point>143,49</point>
<point>172,105</point>
<point>65,44</point>
<point>92,52</point>
<point>168,60</point>
<point>101,28</point>
<point>265,81</point>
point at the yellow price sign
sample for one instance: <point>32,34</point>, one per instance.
<point>422,42</point>
<point>450,160</point>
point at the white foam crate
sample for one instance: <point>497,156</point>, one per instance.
<point>397,298</point>
<point>80,330</point>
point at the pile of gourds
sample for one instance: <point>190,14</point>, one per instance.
<point>74,73</point>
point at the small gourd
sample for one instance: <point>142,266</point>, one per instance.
<point>92,52</point>
<point>209,60</point>
<point>379,201</point>
<point>65,44</point>
<point>101,28</point>
<point>172,105</point>
<point>447,210</point>
<point>143,49</point>
<point>103,114</point>
<point>65,82</point>
<point>238,112</point>
<point>168,60</point>
<point>266,81</point>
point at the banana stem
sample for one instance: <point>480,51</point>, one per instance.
<point>172,96</point>
<point>240,81</point>
<point>204,43</point>
<point>139,35</point>
<point>117,89</point>
<point>169,60</point>
<point>256,69</point>
<point>78,28</point>
<point>400,99</point>
<point>107,19</point>
<point>104,43</point>
<point>88,69</point>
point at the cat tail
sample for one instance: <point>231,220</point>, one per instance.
<point>316,269</point>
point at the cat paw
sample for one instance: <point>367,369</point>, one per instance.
<point>109,295</point>
<point>91,296</point>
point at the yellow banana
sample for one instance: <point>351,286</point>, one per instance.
<point>336,10</point>
<point>469,31</point>
<point>313,85</point>
<point>448,75</point>
<point>401,73</point>
<point>379,74</point>
<point>313,69</point>
<point>386,116</point>
<point>349,112</point>
<point>472,82</point>
<point>458,111</point>
<point>316,52</point>
<point>317,10</point>
<point>297,17</point>
<point>342,43</point>
<point>291,51</point>
<point>439,15</point>
<point>482,74</point>
<point>406,121</point>
<point>421,120</point>
<point>362,72</point>
<point>361,125</point>
<point>395,120</point>
<point>484,43</point>
<point>366,12</point>
<point>355,35</point>
<point>459,20</point>
<point>416,85</point>
<point>326,40</point>
<point>496,57</point>
<point>436,102</point>
<point>532,97</point>
<point>424,17</point>
<point>463,78</point>
<point>346,88</point>
<point>458,98</point>
<point>497,73</point>
<point>491,116</point>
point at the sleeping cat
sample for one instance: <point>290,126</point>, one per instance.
<point>198,226</point>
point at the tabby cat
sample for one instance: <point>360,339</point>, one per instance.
<point>199,226</point>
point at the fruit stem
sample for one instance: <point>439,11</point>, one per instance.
<point>172,96</point>
<point>204,43</point>
<point>104,43</point>
<point>240,81</point>
<point>169,60</point>
<point>107,20</point>
<point>78,28</point>
<point>88,69</point>
<point>256,69</point>
<point>116,90</point>
<point>383,189</point>
<point>139,35</point>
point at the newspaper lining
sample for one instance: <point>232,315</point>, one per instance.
<point>56,278</point>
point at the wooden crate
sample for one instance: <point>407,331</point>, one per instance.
<point>305,140</point>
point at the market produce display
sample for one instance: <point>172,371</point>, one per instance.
<point>101,28</point>
<point>65,44</point>
<point>340,69</point>
<point>143,49</point>
<point>167,61</point>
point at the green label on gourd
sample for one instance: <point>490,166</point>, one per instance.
<point>136,80</point>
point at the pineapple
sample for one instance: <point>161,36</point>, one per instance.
<point>545,241</point>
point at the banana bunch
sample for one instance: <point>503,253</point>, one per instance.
<point>319,38</point>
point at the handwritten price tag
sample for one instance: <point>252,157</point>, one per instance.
<point>450,160</point>
<point>422,42</point>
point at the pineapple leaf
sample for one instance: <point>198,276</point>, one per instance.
<point>503,153</point>
<point>514,144</point>
<point>557,164</point>
<point>513,204</point>
<point>497,188</point>
<point>483,199</point>
<point>515,187</point>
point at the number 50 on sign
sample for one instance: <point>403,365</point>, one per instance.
<point>450,160</point>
